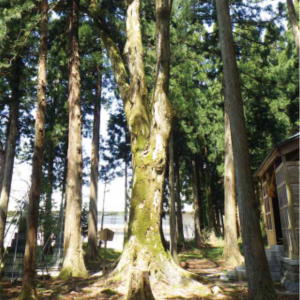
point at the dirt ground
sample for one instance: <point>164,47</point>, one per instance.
<point>94,286</point>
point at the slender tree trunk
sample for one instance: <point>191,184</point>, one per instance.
<point>294,23</point>
<point>12,134</point>
<point>149,121</point>
<point>231,251</point>
<point>2,161</point>
<point>172,217</point>
<point>259,279</point>
<point>103,207</point>
<point>196,204</point>
<point>73,265</point>
<point>92,252</point>
<point>209,206</point>
<point>179,222</point>
<point>28,286</point>
<point>48,229</point>
<point>126,203</point>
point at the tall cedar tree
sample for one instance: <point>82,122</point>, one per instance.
<point>92,218</point>
<point>28,286</point>
<point>149,122</point>
<point>10,147</point>
<point>231,252</point>
<point>259,279</point>
<point>73,264</point>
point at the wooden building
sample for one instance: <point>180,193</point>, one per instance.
<point>279,182</point>
<point>279,192</point>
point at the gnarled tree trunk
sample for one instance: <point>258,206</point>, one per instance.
<point>73,264</point>
<point>93,212</point>
<point>231,250</point>
<point>149,121</point>
<point>9,157</point>
<point>259,279</point>
<point>28,286</point>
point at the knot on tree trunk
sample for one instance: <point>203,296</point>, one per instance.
<point>139,287</point>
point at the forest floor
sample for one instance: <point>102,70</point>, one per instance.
<point>206,262</point>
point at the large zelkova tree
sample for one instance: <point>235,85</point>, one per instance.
<point>73,264</point>
<point>144,264</point>
<point>260,284</point>
<point>28,286</point>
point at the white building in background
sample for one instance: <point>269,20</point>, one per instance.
<point>115,222</point>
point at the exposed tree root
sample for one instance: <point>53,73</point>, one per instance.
<point>144,273</point>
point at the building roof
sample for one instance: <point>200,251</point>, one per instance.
<point>288,145</point>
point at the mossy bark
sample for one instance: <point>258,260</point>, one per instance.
<point>73,264</point>
<point>149,122</point>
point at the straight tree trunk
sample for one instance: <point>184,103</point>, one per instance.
<point>294,23</point>
<point>172,212</point>
<point>144,265</point>
<point>92,252</point>
<point>196,204</point>
<point>48,202</point>
<point>73,264</point>
<point>10,147</point>
<point>179,221</point>
<point>28,284</point>
<point>126,202</point>
<point>260,284</point>
<point>209,207</point>
<point>231,250</point>
<point>2,161</point>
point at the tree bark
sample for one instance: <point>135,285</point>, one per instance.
<point>231,250</point>
<point>260,284</point>
<point>28,285</point>
<point>294,23</point>
<point>126,203</point>
<point>179,222</point>
<point>73,264</point>
<point>149,121</point>
<point>172,217</point>
<point>92,252</point>
<point>48,202</point>
<point>196,204</point>
<point>2,161</point>
<point>10,147</point>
